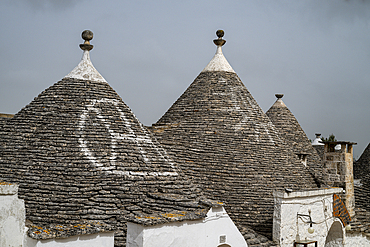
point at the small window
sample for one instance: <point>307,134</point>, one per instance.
<point>349,148</point>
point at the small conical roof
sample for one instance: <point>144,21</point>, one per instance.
<point>292,133</point>
<point>318,146</point>
<point>223,139</point>
<point>361,220</point>
<point>317,141</point>
<point>361,167</point>
<point>79,153</point>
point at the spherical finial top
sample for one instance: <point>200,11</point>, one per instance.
<point>87,35</point>
<point>279,95</point>
<point>219,41</point>
<point>220,33</point>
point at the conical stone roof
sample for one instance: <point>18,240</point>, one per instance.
<point>79,153</point>
<point>362,193</point>
<point>361,221</point>
<point>361,167</point>
<point>4,118</point>
<point>292,133</point>
<point>225,142</point>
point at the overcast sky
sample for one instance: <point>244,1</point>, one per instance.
<point>317,53</point>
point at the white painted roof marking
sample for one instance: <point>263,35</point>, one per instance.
<point>85,70</point>
<point>218,63</point>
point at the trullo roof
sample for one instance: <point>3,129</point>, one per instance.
<point>79,153</point>
<point>361,167</point>
<point>225,142</point>
<point>292,133</point>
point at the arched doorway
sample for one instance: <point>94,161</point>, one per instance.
<point>224,245</point>
<point>335,236</point>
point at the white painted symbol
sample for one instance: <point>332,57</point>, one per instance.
<point>237,99</point>
<point>142,142</point>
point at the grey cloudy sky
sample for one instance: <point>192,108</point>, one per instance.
<point>315,52</point>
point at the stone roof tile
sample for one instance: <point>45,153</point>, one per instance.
<point>294,136</point>
<point>79,154</point>
<point>224,141</point>
<point>361,167</point>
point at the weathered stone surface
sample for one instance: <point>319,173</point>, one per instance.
<point>64,231</point>
<point>361,167</point>
<point>362,194</point>
<point>224,141</point>
<point>294,136</point>
<point>5,117</point>
<point>79,154</point>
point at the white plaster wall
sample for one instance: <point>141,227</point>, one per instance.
<point>105,239</point>
<point>289,228</point>
<point>12,216</point>
<point>135,234</point>
<point>357,241</point>
<point>216,229</point>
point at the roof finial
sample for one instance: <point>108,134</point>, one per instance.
<point>85,69</point>
<point>219,41</point>
<point>279,95</point>
<point>219,62</point>
<point>279,102</point>
<point>87,35</point>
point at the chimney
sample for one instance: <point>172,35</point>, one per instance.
<point>338,170</point>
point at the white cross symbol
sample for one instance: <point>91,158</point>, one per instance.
<point>138,140</point>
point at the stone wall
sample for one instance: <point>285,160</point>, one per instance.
<point>338,170</point>
<point>356,240</point>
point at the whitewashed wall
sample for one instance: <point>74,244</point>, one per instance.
<point>357,240</point>
<point>289,228</point>
<point>12,216</point>
<point>216,229</point>
<point>105,239</point>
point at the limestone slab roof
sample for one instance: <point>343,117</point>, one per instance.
<point>5,117</point>
<point>361,221</point>
<point>53,231</point>
<point>361,167</point>
<point>79,154</point>
<point>224,141</point>
<point>362,193</point>
<point>292,133</point>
